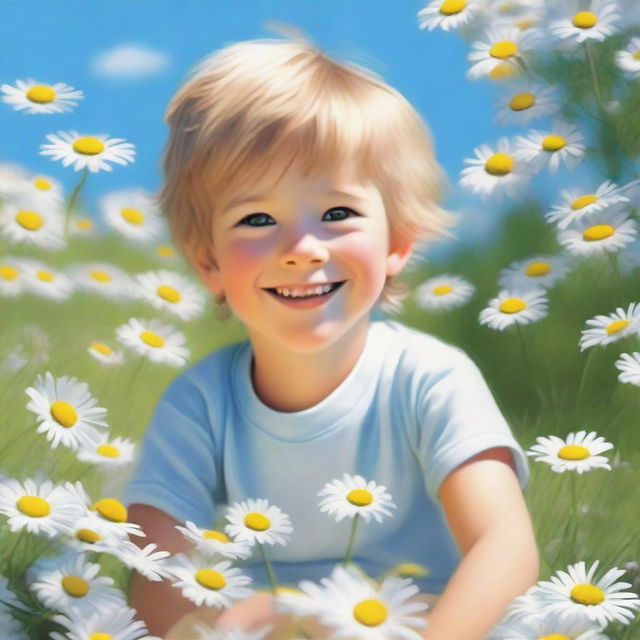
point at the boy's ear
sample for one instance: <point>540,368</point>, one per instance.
<point>400,254</point>
<point>202,259</point>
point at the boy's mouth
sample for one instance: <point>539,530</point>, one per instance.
<point>334,286</point>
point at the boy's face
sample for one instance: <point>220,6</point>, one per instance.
<point>296,232</point>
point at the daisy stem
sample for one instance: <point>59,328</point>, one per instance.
<point>583,377</point>
<point>267,564</point>
<point>354,524</point>
<point>613,259</point>
<point>528,362</point>
<point>72,200</point>
<point>574,509</point>
<point>596,85</point>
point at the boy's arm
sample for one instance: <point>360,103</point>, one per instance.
<point>159,604</point>
<point>489,519</point>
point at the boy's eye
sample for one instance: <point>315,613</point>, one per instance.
<point>254,216</point>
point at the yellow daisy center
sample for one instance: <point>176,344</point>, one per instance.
<point>524,24</point>
<point>45,276</point>
<point>63,413</point>
<point>210,579</point>
<point>617,326</point>
<point>210,534</point>
<point>411,570</point>
<point>584,19</point>
<point>98,635</point>
<point>42,183</point>
<point>503,49</point>
<point>108,451</point>
<point>111,509</point>
<point>168,293</point>
<point>257,521</point>
<point>41,93</point>
<point>33,506</point>
<point>152,339</point>
<point>573,452</point>
<point>502,70</point>
<point>101,348</point>
<point>587,594</point>
<point>75,586</point>
<point>522,101</point>
<point>360,497</point>
<point>451,7</point>
<point>84,224</point>
<point>132,216</point>
<point>598,232</point>
<point>165,251</point>
<point>442,289</point>
<point>371,613</point>
<point>88,535</point>
<point>7,272</point>
<point>555,636</point>
<point>536,269</point>
<point>88,146</point>
<point>499,164</point>
<point>505,6</point>
<point>583,201</point>
<point>512,305</point>
<point>553,143</point>
<point>29,220</point>
<point>636,55</point>
<point>100,276</point>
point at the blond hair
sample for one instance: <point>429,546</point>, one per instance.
<point>245,102</point>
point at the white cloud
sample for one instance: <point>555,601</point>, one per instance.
<point>129,61</point>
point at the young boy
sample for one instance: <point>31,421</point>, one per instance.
<point>286,170</point>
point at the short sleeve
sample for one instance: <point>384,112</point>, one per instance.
<point>176,469</point>
<point>457,418</point>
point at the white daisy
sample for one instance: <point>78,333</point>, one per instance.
<point>39,187</point>
<point>539,271</point>
<point>443,292</point>
<point>105,354</point>
<point>26,220</point>
<point>38,506</point>
<point>172,292</point>
<point>629,59</point>
<point>604,232</point>
<point>105,279</point>
<point>514,307</point>
<point>152,564</point>
<point>495,54</point>
<point>579,452</point>
<point>166,252</point>
<point>82,227</point>
<point>255,521</point>
<point>576,203</point>
<point>447,14</point>
<point>629,365</point>
<point>109,455</point>
<point>355,607</point>
<point>92,533</point>
<point>159,342</point>
<point>575,593</point>
<point>210,542</point>
<point>92,152</point>
<point>562,144</point>
<point>69,580</point>
<point>40,98</point>
<point>134,213</point>
<point>352,496</point>
<point>12,276</point>
<point>212,586</point>
<point>611,328</point>
<point>206,633</point>
<point>525,102</point>
<point>67,411</point>
<point>547,625</point>
<point>576,26</point>
<point>494,171</point>
<point>42,280</point>
<point>113,623</point>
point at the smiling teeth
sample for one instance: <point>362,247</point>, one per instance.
<point>301,293</point>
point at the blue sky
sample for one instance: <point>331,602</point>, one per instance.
<point>65,40</point>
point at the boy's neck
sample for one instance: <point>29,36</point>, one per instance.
<point>289,382</point>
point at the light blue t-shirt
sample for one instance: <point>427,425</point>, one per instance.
<point>412,410</point>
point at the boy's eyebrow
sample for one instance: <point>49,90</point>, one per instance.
<point>262,197</point>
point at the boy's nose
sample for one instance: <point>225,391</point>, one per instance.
<point>307,250</point>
